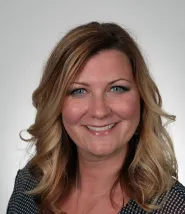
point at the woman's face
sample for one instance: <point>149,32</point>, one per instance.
<point>102,109</point>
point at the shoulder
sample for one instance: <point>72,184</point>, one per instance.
<point>174,201</point>
<point>20,202</point>
<point>25,180</point>
<point>178,190</point>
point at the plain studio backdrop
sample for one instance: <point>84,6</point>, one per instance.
<point>30,29</point>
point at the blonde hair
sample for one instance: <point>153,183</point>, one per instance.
<point>150,166</point>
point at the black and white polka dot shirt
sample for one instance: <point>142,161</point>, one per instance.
<point>21,203</point>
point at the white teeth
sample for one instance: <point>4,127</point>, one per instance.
<point>98,129</point>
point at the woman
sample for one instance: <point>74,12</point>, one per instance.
<point>101,146</point>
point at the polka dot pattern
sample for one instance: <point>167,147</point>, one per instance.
<point>21,203</point>
<point>174,203</point>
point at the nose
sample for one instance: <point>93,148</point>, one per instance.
<point>99,107</point>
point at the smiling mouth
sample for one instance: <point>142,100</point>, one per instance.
<point>101,129</point>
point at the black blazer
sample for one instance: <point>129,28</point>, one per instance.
<point>21,203</point>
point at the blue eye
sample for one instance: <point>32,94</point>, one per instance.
<point>119,89</point>
<point>77,92</point>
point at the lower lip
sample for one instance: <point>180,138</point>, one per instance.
<point>102,133</point>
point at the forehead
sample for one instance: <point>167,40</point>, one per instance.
<point>106,65</point>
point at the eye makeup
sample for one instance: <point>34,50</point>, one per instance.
<point>119,88</point>
<point>76,91</point>
<point>82,91</point>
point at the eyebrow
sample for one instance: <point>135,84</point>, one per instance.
<point>110,83</point>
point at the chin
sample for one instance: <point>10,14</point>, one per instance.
<point>103,152</point>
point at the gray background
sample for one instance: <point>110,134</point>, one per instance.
<point>30,29</point>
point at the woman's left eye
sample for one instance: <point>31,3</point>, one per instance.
<point>119,89</point>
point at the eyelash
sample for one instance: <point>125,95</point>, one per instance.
<point>123,88</point>
<point>74,92</point>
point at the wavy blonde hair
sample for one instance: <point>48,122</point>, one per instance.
<point>150,166</point>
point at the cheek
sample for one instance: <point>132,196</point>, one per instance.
<point>129,107</point>
<point>133,108</point>
<point>72,112</point>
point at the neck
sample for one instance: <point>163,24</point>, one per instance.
<point>97,177</point>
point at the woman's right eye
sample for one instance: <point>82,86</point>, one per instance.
<point>77,92</point>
